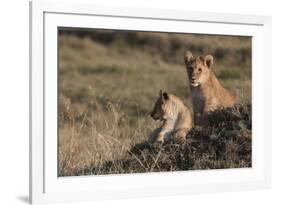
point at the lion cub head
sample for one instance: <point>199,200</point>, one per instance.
<point>163,107</point>
<point>198,68</point>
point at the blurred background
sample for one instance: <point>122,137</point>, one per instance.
<point>109,81</point>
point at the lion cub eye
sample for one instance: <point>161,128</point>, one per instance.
<point>199,70</point>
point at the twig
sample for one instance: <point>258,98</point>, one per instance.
<point>138,160</point>
<point>155,161</point>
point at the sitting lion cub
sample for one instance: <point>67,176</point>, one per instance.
<point>176,118</point>
<point>206,91</point>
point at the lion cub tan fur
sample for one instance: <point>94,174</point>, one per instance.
<point>175,116</point>
<point>206,91</point>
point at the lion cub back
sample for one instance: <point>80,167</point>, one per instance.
<point>183,113</point>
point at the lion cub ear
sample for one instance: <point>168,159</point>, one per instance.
<point>164,95</point>
<point>161,95</point>
<point>209,60</point>
<point>188,57</point>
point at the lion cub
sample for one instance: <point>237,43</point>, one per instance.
<point>176,118</point>
<point>206,91</point>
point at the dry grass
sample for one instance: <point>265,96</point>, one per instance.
<point>97,136</point>
<point>108,82</point>
<point>225,143</point>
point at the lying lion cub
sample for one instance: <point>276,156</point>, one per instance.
<point>176,118</point>
<point>206,91</point>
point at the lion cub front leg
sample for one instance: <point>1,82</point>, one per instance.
<point>154,135</point>
<point>165,132</point>
<point>160,138</point>
<point>160,134</point>
<point>157,136</point>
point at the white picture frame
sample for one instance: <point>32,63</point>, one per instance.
<point>46,186</point>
